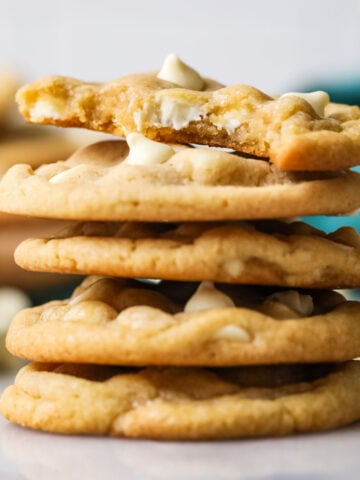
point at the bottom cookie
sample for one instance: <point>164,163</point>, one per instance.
<point>184,403</point>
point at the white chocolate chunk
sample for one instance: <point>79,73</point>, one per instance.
<point>173,112</point>
<point>232,332</point>
<point>178,113</point>
<point>207,297</point>
<point>303,304</point>
<point>147,152</point>
<point>43,109</point>
<point>12,301</point>
<point>234,267</point>
<point>176,71</point>
<point>318,100</point>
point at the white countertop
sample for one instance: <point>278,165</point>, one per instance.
<point>26,454</point>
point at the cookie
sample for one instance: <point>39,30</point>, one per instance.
<point>99,182</point>
<point>293,132</point>
<point>177,403</point>
<point>271,253</point>
<point>123,322</point>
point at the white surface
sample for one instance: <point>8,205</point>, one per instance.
<point>274,45</point>
<point>25,454</point>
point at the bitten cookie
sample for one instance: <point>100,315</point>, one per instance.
<point>176,403</point>
<point>264,253</point>
<point>124,322</point>
<point>174,105</point>
<point>158,182</point>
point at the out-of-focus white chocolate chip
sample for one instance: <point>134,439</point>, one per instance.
<point>318,100</point>
<point>147,152</point>
<point>234,267</point>
<point>143,322</point>
<point>176,71</point>
<point>232,332</point>
<point>302,304</point>
<point>207,297</point>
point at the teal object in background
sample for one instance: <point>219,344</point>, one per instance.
<point>329,224</point>
<point>342,90</point>
<point>55,293</point>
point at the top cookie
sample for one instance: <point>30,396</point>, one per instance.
<point>288,130</point>
<point>104,182</point>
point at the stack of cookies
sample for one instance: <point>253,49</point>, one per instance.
<point>204,315</point>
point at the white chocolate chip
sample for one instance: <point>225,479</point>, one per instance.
<point>43,109</point>
<point>147,152</point>
<point>177,113</point>
<point>303,304</point>
<point>318,100</point>
<point>174,112</point>
<point>207,297</point>
<point>176,71</point>
<point>232,332</point>
<point>234,267</point>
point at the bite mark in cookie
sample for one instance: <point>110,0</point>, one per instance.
<point>271,253</point>
<point>288,130</point>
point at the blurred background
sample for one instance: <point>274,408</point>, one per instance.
<point>277,46</point>
<point>273,45</point>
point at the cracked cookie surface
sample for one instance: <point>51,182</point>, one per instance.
<point>195,184</point>
<point>270,253</point>
<point>128,322</point>
<point>176,403</point>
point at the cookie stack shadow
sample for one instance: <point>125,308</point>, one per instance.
<point>204,316</point>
